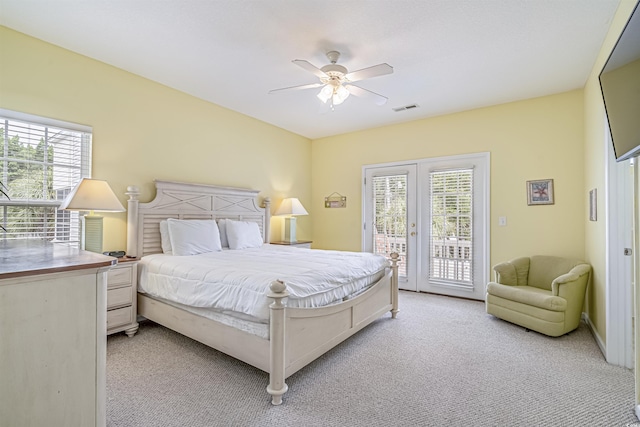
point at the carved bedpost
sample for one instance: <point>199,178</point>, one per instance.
<point>267,220</point>
<point>132,220</point>
<point>277,387</point>
<point>394,284</point>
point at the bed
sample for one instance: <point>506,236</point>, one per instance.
<point>286,338</point>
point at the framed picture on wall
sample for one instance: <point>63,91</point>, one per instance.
<point>540,192</point>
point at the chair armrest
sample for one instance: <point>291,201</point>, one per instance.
<point>505,273</point>
<point>574,281</point>
<point>498,268</point>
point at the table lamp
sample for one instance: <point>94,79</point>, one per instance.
<point>290,207</point>
<point>92,195</point>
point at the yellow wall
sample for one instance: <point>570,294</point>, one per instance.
<point>533,139</point>
<point>595,160</point>
<point>143,130</point>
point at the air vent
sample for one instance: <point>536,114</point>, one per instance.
<point>406,107</point>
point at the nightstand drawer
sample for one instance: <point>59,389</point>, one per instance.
<point>122,285</point>
<point>118,297</point>
<point>119,317</point>
<point>119,276</point>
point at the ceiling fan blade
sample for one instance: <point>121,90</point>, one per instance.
<point>364,93</point>
<point>308,86</point>
<point>367,73</point>
<point>310,67</point>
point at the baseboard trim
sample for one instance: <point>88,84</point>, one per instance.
<point>596,336</point>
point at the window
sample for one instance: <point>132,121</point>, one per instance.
<point>41,161</point>
<point>390,220</point>
<point>451,226</point>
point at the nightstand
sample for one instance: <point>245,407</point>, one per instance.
<point>122,288</point>
<point>299,244</point>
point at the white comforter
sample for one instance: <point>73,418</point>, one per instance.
<point>238,280</point>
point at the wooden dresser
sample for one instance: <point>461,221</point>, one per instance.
<point>52,335</point>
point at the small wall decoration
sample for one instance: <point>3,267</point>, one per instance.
<point>593,205</point>
<point>335,200</point>
<point>540,192</point>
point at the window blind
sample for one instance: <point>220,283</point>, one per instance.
<point>451,248</point>
<point>40,163</point>
<point>390,217</point>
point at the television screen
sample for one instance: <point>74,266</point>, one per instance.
<point>620,84</point>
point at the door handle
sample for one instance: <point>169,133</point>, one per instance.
<point>413,233</point>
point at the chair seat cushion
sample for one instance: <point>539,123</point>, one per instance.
<point>528,295</point>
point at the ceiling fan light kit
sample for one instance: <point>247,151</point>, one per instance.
<point>334,92</point>
<point>336,81</point>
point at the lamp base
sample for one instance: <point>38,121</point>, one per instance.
<point>91,233</point>
<point>290,229</point>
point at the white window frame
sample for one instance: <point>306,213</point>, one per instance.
<point>72,237</point>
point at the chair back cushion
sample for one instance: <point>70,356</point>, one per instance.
<point>522,266</point>
<point>544,269</point>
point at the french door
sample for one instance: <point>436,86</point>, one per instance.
<point>390,217</point>
<point>434,213</point>
<point>454,213</point>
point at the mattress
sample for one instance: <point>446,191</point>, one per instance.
<point>234,320</point>
<point>236,281</point>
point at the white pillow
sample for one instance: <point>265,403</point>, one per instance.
<point>194,236</point>
<point>165,238</point>
<point>222,226</point>
<point>243,234</point>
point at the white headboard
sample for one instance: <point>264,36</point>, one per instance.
<point>188,201</point>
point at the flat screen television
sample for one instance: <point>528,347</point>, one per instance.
<point>620,85</point>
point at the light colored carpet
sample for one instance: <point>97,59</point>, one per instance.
<point>442,362</point>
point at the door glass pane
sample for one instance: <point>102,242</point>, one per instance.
<point>390,217</point>
<point>451,248</point>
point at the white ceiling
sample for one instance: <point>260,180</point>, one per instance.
<point>447,55</point>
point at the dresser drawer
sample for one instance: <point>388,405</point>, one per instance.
<point>119,276</point>
<point>119,317</point>
<point>118,297</point>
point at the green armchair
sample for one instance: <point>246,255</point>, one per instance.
<point>541,293</point>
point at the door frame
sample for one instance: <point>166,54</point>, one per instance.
<point>620,209</point>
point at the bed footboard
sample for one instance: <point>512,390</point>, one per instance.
<point>300,335</point>
<point>277,387</point>
<point>395,258</point>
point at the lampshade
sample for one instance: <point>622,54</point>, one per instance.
<point>92,195</point>
<point>340,94</point>
<point>337,94</point>
<point>291,206</point>
<point>325,93</point>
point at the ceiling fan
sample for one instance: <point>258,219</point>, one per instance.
<point>336,81</point>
